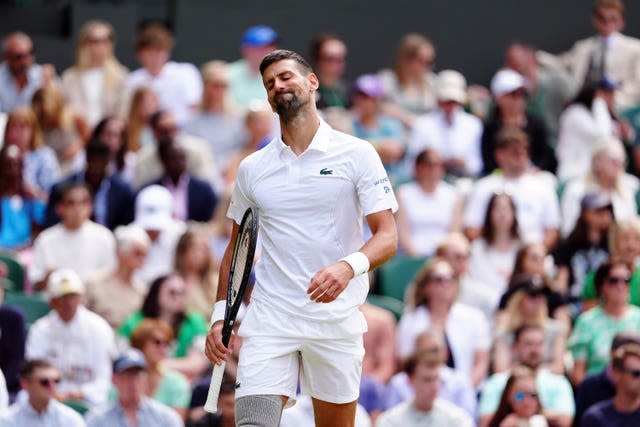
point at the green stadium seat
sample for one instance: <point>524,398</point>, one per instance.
<point>77,406</point>
<point>16,271</point>
<point>33,307</point>
<point>392,304</point>
<point>395,275</point>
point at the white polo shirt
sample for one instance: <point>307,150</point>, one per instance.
<point>311,210</point>
<point>537,207</point>
<point>178,87</point>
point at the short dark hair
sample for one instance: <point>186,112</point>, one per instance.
<point>155,118</point>
<point>165,145</point>
<point>27,367</point>
<point>281,55</point>
<point>614,4</point>
<point>154,34</point>
<point>96,148</point>
<point>318,42</point>
<point>66,188</point>
<point>431,357</point>
<point>621,354</point>
<point>524,328</point>
<point>602,273</point>
<point>624,337</point>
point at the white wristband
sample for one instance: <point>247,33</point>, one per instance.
<point>218,311</point>
<point>358,262</point>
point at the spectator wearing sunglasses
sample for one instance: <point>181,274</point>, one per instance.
<point>20,76</point>
<point>624,408</point>
<point>594,330</point>
<point>39,379</point>
<point>329,54</point>
<point>434,305</point>
<point>519,403</point>
<point>601,386</point>
<point>554,391</point>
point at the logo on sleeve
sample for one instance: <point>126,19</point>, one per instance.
<point>326,171</point>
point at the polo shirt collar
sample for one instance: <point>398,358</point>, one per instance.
<point>320,141</point>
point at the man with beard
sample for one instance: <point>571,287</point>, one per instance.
<point>20,77</point>
<point>554,391</point>
<point>312,186</point>
<point>624,408</point>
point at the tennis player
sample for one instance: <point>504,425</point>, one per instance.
<point>312,187</point>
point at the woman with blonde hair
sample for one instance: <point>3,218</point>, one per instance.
<point>218,120</point>
<point>410,83</point>
<point>624,246</point>
<point>40,165</point>
<point>137,130</point>
<point>197,267</point>
<point>434,306</point>
<point>63,129</point>
<point>607,175</point>
<point>94,85</point>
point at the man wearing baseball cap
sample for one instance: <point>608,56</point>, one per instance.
<point>245,82</point>
<point>132,407</point>
<point>452,132</point>
<point>75,340</point>
<point>153,214</point>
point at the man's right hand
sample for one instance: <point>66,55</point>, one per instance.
<point>215,351</point>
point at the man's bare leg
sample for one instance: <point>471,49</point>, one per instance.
<point>334,414</point>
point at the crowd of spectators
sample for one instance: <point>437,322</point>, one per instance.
<point>520,200</point>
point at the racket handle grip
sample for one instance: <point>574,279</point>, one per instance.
<point>211,405</point>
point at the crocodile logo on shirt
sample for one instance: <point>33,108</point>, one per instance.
<point>325,171</point>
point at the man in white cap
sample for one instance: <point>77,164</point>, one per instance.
<point>509,91</point>
<point>449,130</point>
<point>78,342</point>
<point>153,214</point>
<point>132,407</point>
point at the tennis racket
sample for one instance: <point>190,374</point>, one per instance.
<point>241,264</point>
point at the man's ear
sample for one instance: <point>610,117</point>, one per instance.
<point>315,83</point>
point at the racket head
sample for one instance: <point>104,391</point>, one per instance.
<point>240,269</point>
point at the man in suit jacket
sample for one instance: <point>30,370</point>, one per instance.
<point>113,199</point>
<point>608,54</point>
<point>193,198</point>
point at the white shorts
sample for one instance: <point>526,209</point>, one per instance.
<point>328,369</point>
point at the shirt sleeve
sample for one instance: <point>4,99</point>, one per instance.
<point>372,183</point>
<point>563,397</point>
<point>475,208</point>
<point>4,396</point>
<point>192,84</point>
<point>240,200</point>
<point>37,269</point>
<point>490,395</point>
<point>579,339</point>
